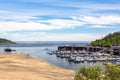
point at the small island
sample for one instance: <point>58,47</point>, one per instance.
<point>6,41</point>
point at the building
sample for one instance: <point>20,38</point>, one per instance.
<point>79,48</point>
<point>116,50</point>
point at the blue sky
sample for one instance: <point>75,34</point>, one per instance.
<point>58,20</point>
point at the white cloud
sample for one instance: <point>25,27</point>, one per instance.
<point>101,26</point>
<point>43,36</point>
<point>4,15</point>
<point>90,5</point>
<point>109,19</point>
<point>18,17</point>
<point>22,36</point>
<point>20,23</point>
<point>63,23</point>
<point>72,37</point>
<point>39,25</point>
<point>15,26</point>
<point>25,23</point>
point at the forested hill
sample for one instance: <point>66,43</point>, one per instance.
<point>5,41</point>
<point>107,41</point>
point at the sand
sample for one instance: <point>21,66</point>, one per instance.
<point>22,67</point>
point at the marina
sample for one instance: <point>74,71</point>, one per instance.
<point>80,57</point>
<point>48,51</point>
<point>79,54</point>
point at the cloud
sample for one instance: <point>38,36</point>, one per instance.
<point>38,25</point>
<point>19,23</point>
<point>19,26</point>
<point>44,36</point>
<point>101,26</point>
<point>63,23</point>
<point>57,8</point>
<point>22,36</point>
<point>45,15</point>
<point>90,5</point>
<point>72,37</point>
<point>107,19</point>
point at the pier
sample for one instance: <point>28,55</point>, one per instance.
<point>78,54</point>
<point>79,48</point>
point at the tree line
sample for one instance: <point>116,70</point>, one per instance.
<point>5,41</point>
<point>109,40</point>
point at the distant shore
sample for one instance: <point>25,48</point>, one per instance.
<point>22,67</point>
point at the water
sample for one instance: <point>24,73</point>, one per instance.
<point>37,49</point>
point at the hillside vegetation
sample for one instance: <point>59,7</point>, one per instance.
<point>5,41</point>
<point>110,72</point>
<point>107,41</point>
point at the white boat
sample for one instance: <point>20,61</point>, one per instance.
<point>58,55</point>
<point>90,59</point>
<point>71,58</point>
<point>50,53</point>
<point>78,59</point>
<point>67,56</point>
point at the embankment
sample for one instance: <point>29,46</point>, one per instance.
<point>21,67</point>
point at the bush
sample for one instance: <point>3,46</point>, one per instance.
<point>111,72</point>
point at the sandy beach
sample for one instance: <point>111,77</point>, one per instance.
<point>22,67</point>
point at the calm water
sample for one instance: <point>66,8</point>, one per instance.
<point>38,50</point>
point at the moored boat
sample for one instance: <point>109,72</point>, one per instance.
<point>78,59</point>
<point>71,58</point>
<point>7,49</point>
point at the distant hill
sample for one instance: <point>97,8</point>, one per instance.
<point>107,41</point>
<point>5,41</point>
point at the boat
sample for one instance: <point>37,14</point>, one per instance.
<point>78,59</point>
<point>71,58</point>
<point>62,55</point>
<point>50,53</point>
<point>58,55</point>
<point>7,49</point>
<point>91,59</point>
<point>67,56</point>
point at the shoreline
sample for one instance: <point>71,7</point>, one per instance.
<point>22,67</point>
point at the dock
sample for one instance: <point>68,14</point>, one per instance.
<point>78,54</point>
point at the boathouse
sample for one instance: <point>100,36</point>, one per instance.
<point>94,49</point>
<point>71,48</point>
<point>116,50</point>
<point>79,48</point>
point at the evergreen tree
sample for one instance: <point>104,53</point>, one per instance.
<point>107,41</point>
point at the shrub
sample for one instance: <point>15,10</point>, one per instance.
<point>111,72</point>
<point>92,73</point>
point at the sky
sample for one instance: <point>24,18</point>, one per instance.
<point>58,20</point>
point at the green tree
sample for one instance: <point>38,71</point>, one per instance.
<point>5,41</point>
<point>107,41</point>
